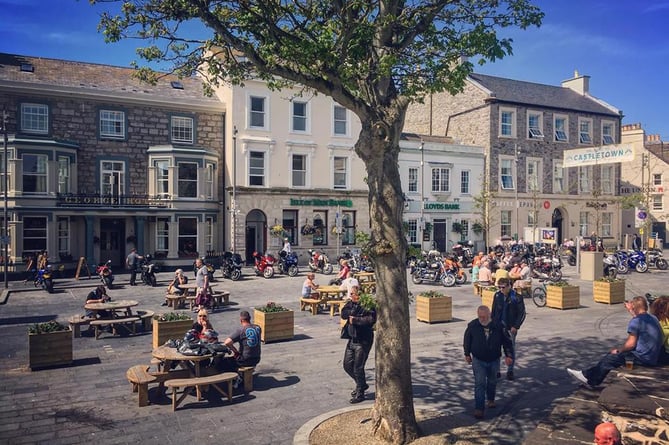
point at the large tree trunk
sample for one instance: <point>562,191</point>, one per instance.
<point>393,413</point>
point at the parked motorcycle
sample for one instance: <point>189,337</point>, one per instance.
<point>654,258</point>
<point>464,253</point>
<point>211,268</point>
<point>264,265</point>
<point>547,267</point>
<point>319,262</point>
<point>105,273</point>
<point>432,271</point>
<point>148,271</point>
<point>610,266</point>
<point>637,260</point>
<point>231,266</point>
<point>621,259</point>
<point>44,279</point>
<point>288,263</point>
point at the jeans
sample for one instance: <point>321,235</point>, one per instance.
<point>513,356</point>
<point>598,373</point>
<point>133,275</point>
<point>485,381</point>
<point>355,358</point>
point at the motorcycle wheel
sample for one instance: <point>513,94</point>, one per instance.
<point>641,267</point>
<point>661,264</point>
<point>571,261</point>
<point>461,279</point>
<point>416,279</point>
<point>555,275</point>
<point>623,268</point>
<point>269,272</point>
<point>293,271</point>
<point>152,281</point>
<point>327,269</point>
<point>236,275</point>
<point>107,282</point>
<point>48,285</point>
<point>448,280</point>
<point>611,272</point>
<point>312,268</point>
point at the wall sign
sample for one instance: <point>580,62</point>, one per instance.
<point>321,202</point>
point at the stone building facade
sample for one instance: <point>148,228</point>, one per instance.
<point>99,163</point>
<point>525,129</point>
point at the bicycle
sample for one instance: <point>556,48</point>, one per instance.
<point>539,294</point>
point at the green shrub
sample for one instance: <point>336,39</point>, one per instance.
<point>49,326</point>
<point>172,316</point>
<point>271,307</point>
<point>431,294</point>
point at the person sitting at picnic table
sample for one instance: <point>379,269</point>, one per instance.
<point>247,335</point>
<point>344,269</point>
<point>98,295</point>
<point>660,308</point>
<point>523,278</point>
<point>349,283</point>
<point>202,323</point>
<point>485,275</point>
<point>501,273</point>
<point>179,280</point>
<point>309,288</point>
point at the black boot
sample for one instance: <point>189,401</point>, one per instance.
<point>358,397</point>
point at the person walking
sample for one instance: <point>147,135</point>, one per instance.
<point>636,242</point>
<point>508,310</point>
<point>483,343</point>
<point>203,295</point>
<point>360,333</point>
<point>131,262</point>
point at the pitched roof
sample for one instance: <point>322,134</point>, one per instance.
<point>528,93</point>
<point>91,78</point>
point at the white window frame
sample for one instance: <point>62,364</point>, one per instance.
<point>465,182</point>
<point>64,174</point>
<point>608,132</point>
<point>412,186</point>
<point>188,180</point>
<point>412,232</point>
<point>182,129</point>
<point>347,172</point>
<point>510,126</point>
<point>607,179</point>
<point>505,222</point>
<point>558,176</point>
<point>63,228</point>
<point>584,131</point>
<point>561,134</point>
<point>209,234</point>
<point>112,124</point>
<point>265,112</point>
<point>346,121</point>
<point>583,218</point>
<point>534,182</point>
<point>305,118</point>
<point>304,172</point>
<point>535,131</point>
<point>255,148</point>
<point>657,178</point>
<point>209,179</point>
<point>503,163</point>
<point>162,234</point>
<point>585,180</point>
<point>607,223</point>
<point>657,202</point>
<point>34,118</point>
<point>437,182</point>
<point>117,170</point>
<point>162,181</point>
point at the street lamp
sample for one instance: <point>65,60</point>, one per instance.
<point>5,230</point>
<point>234,189</point>
<point>516,153</point>
<point>422,193</point>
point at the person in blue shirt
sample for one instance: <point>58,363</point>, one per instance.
<point>643,345</point>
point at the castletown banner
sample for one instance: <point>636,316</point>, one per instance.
<point>605,154</point>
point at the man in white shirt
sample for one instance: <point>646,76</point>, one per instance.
<point>286,246</point>
<point>348,283</point>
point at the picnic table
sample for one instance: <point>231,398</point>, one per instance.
<point>191,362</point>
<point>330,292</point>
<point>112,314</point>
<point>364,277</point>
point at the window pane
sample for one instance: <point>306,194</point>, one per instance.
<point>182,129</point>
<point>339,120</point>
<point>464,182</point>
<point>290,222</point>
<point>187,180</point>
<point>34,173</point>
<point>320,236</point>
<point>257,168</point>
<point>162,234</point>
<point>299,170</point>
<point>34,118</point>
<point>413,179</point>
<point>162,178</point>
<point>299,116</point>
<point>339,172</point>
<point>187,237</point>
<point>257,111</point>
<point>63,174</point>
<point>348,228</point>
<point>112,124</point>
<point>34,234</point>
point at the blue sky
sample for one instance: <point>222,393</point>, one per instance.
<point>622,44</point>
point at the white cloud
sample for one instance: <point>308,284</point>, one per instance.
<point>655,7</point>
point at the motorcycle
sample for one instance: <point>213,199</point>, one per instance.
<point>464,253</point>
<point>44,279</point>
<point>288,263</point>
<point>433,272</point>
<point>547,267</point>
<point>621,259</point>
<point>105,273</point>
<point>319,262</point>
<point>455,267</point>
<point>231,267</point>
<point>610,266</point>
<point>148,271</point>
<point>264,265</point>
<point>637,260</point>
<point>654,258</point>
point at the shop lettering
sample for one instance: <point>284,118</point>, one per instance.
<point>97,200</point>
<point>441,206</point>
<point>322,202</point>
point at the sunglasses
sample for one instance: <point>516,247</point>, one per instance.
<point>502,287</point>
<point>202,316</point>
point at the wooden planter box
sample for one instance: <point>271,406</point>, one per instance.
<point>164,330</point>
<point>609,292</point>
<point>487,296</point>
<point>568,297</point>
<point>434,309</point>
<point>50,349</point>
<point>275,325</point>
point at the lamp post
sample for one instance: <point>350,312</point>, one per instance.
<point>5,230</point>
<point>422,193</point>
<point>516,153</point>
<point>645,187</point>
<point>234,189</point>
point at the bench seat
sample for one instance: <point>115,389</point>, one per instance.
<point>335,306</point>
<point>145,317</point>
<point>246,373</point>
<point>77,321</point>
<point>175,301</point>
<point>113,322</point>
<point>140,378</point>
<point>311,303</point>
<point>197,382</point>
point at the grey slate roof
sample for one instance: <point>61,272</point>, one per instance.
<point>528,93</point>
<point>103,79</point>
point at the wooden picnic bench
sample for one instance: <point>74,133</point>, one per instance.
<point>335,306</point>
<point>311,303</point>
<point>77,321</point>
<point>175,301</point>
<point>140,378</point>
<point>145,317</point>
<point>246,373</point>
<point>218,299</point>
<point>197,382</point>
<point>97,324</point>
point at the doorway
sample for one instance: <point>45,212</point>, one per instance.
<point>439,235</point>
<point>256,227</point>
<point>112,234</point>
<point>556,222</point>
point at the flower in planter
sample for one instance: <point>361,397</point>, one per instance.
<point>49,326</point>
<point>608,279</point>
<point>172,316</point>
<point>491,288</point>
<point>277,230</point>
<point>559,283</point>
<point>431,294</point>
<point>272,307</point>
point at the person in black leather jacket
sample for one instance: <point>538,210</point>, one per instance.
<point>508,309</point>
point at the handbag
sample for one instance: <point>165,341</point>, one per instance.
<point>344,332</point>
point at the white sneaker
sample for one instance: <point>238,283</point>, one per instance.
<point>578,375</point>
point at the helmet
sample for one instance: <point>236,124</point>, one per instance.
<point>191,336</point>
<point>210,335</point>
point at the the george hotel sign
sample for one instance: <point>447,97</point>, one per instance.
<point>605,154</point>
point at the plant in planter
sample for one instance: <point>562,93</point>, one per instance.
<point>277,230</point>
<point>488,295</point>
<point>307,229</point>
<point>609,290</point>
<point>49,344</point>
<point>170,325</point>
<point>477,228</point>
<point>276,322</point>
<point>433,307</point>
<point>562,295</point>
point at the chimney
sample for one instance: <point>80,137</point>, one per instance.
<point>580,84</point>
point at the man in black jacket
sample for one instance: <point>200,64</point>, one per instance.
<point>361,336</point>
<point>508,310</point>
<point>483,343</point>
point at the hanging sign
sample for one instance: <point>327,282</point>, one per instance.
<point>605,154</point>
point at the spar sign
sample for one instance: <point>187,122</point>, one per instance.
<point>605,154</point>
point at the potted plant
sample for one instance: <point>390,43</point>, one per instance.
<point>49,344</point>
<point>275,321</point>
<point>562,295</point>
<point>367,301</point>
<point>170,325</point>
<point>277,230</point>
<point>488,295</point>
<point>433,307</point>
<point>609,290</point>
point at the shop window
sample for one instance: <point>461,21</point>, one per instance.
<point>348,228</point>
<point>320,236</point>
<point>34,234</point>
<point>289,222</point>
<point>187,237</point>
